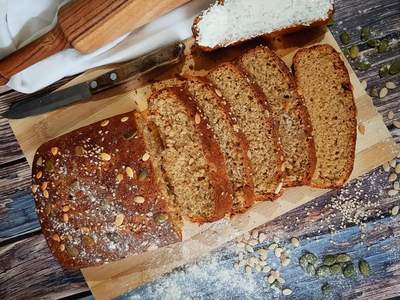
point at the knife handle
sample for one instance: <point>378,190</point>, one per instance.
<point>43,47</point>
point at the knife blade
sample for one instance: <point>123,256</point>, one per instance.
<point>128,71</point>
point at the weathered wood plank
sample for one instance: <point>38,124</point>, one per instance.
<point>29,271</point>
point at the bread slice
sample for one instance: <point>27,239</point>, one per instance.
<point>251,112</point>
<point>272,75</point>
<point>324,83</point>
<point>231,21</point>
<point>231,140</point>
<point>99,197</point>
<point>190,156</point>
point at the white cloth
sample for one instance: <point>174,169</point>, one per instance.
<point>22,21</point>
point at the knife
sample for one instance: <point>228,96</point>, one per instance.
<point>131,70</point>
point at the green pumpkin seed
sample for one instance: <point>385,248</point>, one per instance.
<point>364,267</point>
<point>363,65</point>
<point>310,270</point>
<point>311,258</point>
<point>72,251</point>
<point>87,241</point>
<point>395,67</point>
<point>326,289</point>
<point>303,262</point>
<point>345,37</point>
<point>130,134</point>
<point>47,208</point>
<point>323,271</point>
<point>143,174</point>
<point>383,46</point>
<point>79,151</point>
<point>49,166</point>
<point>354,51</point>
<point>329,260</point>
<point>346,52</point>
<point>336,269</point>
<point>373,43</point>
<point>348,270</point>
<point>384,71</point>
<point>161,218</point>
<point>342,258</point>
<point>374,92</point>
<point>365,34</point>
<point>39,161</point>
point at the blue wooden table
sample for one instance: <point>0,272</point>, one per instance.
<point>324,226</point>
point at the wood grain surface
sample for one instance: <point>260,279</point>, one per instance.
<point>384,19</point>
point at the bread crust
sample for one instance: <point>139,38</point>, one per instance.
<point>248,189</point>
<point>300,109</point>
<point>221,185</point>
<point>340,65</point>
<point>276,33</point>
<point>80,192</point>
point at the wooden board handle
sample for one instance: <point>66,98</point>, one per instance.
<point>45,46</point>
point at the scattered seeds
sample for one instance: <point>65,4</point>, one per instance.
<point>270,279</point>
<point>392,177</point>
<point>342,258</point>
<point>395,67</point>
<point>287,292</point>
<point>65,208</point>
<point>326,289</point>
<point>254,234</point>
<point>354,52</point>
<point>262,252</point>
<point>62,247</point>
<point>345,37</point>
<point>39,175</point>
<point>295,242</point>
<point>119,178</point>
<point>395,210</point>
<point>390,85</point>
<point>364,267</point>
<point>383,92</point>
<point>348,270</point>
<point>34,188</point>
<point>285,261</point>
<point>393,192</point>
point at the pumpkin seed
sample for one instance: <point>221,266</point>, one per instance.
<point>87,241</point>
<point>47,208</point>
<point>49,166</point>
<point>365,34</point>
<point>303,261</point>
<point>374,92</point>
<point>384,71</point>
<point>146,156</point>
<point>346,52</point>
<point>329,260</point>
<point>373,43</point>
<point>364,267</point>
<point>326,289</point>
<point>345,37</point>
<point>363,65</point>
<point>395,67</point>
<point>161,218</point>
<point>310,270</point>
<point>336,269</point>
<point>354,52</point>
<point>72,251</point>
<point>46,194</point>
<point>395,210</point>
<point>39,161</point>
<point>392,177</point>
<point>390,85</point>
<point>143,174</point>
<point>79,151</point>
<point>34,188</point>
<point>139,199</point>
<point>105,156</point>
<point>323,271</point>
<point>119,178</point>
<point>65,218</point>
<point>39,175</point>
<point>129,172</point>
<point>383,93</point>
<point>119,219</point>
<point>312,259</point>
<point>348,270</point>
<point>383,46</point>
<point>287,292</point>
<point>130,134</point>
<point>343,257</point>
<point>393,192</point>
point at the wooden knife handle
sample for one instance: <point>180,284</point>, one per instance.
<point>43,47</point>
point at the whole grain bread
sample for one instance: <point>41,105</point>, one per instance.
<point>251,112</point>
<point>272,75</point>
<point>230,138</point>
<point>230,22</point>
<point>98,196</point>
<point>190,156</point>
<point>324,83</point>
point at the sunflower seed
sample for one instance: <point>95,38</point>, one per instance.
<point>124,119</point>
<point>386,167</point>
<point>272,246</point>
<point>278,252</point>
<point>392,177</point>
<point>390,85</point>
<point>396,185</point>
<point>383,92</point>
<point>262,237</point>
<point>287,292</point>
<point>393,192</point>
<point>146,156</point>
<point>396,124</point>
<point>249,249</point>
<point>295,242</point>
<point>393,163</point>
<point>262,252</point>
<point>129,172</point>
<point>139,199</point>
<point>119,219</point>
<point>266,269</point>
<point>105,156</point>
<point>270,279</point>
<point>395,210</point>
<point>253,242</point>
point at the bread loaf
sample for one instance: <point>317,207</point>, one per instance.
<point>231,21</point>
<point>233,144</point>
<point>271,74</point>
<point>251,112</point>
<point>190,156</point>
<point>324,83</point>
<point>98,195</point>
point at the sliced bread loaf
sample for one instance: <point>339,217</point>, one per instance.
<point>251,112</point>
<point>232,141</point>
<point>324,83</point>
<point>231,21</point>
<point>190,156</point>
<point>272,75</point>
<point>99,196</point>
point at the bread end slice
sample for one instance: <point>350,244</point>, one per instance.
<point>324,83</point>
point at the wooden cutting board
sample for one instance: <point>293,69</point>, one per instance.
<point>374,147</point>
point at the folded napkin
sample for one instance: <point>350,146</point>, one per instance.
<point>21,21</point>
